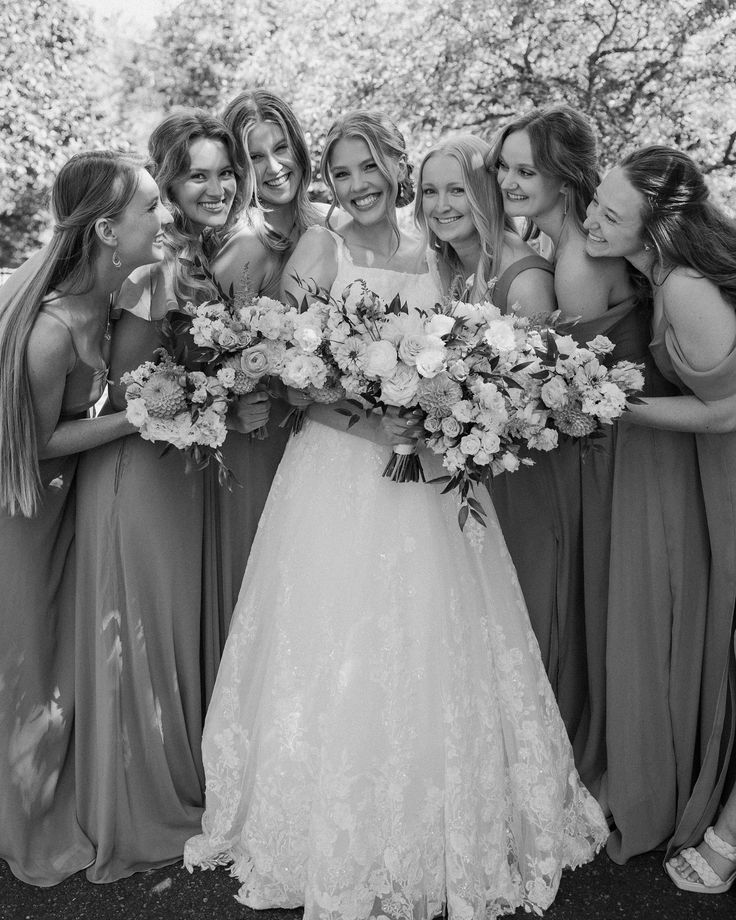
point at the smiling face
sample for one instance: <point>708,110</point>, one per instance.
<point>277,172</point>
<point>614,221</point>
<point>206,190</point>
<point>526,191</point>
<point>361,188</point>
<point>139,229</point>
<point>445,204</point>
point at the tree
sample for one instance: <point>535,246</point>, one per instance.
<point>50,106</point>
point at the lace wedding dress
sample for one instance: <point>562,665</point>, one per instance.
<point>382,738</point>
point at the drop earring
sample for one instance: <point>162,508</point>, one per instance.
<point>116,260</point>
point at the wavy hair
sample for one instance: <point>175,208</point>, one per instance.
<point>169,159</point>
<point>90,186</point>
<point>563,147</point>
<point>242,114</point>
<point>682,224</point>
<point>474,157</point>
<point>386,144</point>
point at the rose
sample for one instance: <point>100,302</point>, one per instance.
<point>451,428</point>
<point>254,362</point>
<point>508,461</point>
<point>459,370</point>
<point>400,389</point>
<point>566,344</point>
<point>601,345</point>
<point>482,458</point>
<point>411,346</point>
<point>470,444</point>
<point>490,442</point>
<point>626,375</point>
<point>440,324</point>
<point>554,393</point>
<point>431,361</point>
<point>432,424</point>
<point>379,359</point>
<point>228,339</point>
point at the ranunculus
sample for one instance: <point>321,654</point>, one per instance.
<point>554,393</point>
<point>379,359</point>
<point>451,427</point>
<point>254,362</point>
<point>401,388</point>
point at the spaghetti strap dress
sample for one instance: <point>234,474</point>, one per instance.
<point>40,836</point>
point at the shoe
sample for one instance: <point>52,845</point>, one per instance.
<point>710,882</point>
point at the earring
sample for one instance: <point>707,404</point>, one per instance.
<point>565,203</point>
<point>647,247</point>
<point>116,260</point>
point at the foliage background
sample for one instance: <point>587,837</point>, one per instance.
<point>644,70</point>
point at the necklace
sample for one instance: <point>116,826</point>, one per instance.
<point>108,332</point>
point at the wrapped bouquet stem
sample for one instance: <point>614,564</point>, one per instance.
<point>404,465</point>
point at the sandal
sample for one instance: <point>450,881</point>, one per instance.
<point>710,882</point>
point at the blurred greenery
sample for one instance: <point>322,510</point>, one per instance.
<point>644,70</point>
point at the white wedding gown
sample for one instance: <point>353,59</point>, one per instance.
<point>382,738</point>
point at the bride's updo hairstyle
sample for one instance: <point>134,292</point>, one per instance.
<point>474,156</point>
<point>387,146</point>
<point>168,149</point>
<point>679,221</point>
<point>243,113</point>
<point>90,186</point>
<point>564,147</point>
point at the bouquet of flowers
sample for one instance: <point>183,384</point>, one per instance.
<point>185,409</point>
<point>241,341</point>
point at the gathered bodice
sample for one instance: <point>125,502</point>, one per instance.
<point>86,381</point>
<point>418,290</point>
<point>715,383</point>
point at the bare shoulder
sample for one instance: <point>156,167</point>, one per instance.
<point>586,286</point>
<point>703,320</point>
<point>50,349</point>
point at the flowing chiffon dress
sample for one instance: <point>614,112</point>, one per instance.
<point>671,673</point>
<point>40,836</point>
<point>382,738</point>
<point>140,595</point>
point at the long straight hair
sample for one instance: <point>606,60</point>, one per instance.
<point>90,186</point>
<point>474,156</point>
<point>242,114</point>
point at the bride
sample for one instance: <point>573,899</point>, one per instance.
<point>382,738</point>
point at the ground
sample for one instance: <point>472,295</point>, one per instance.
<point>600,891</point>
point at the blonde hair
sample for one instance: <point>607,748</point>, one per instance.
<point>90,186</point>
<point>386,144</point>
<point>473,155</point>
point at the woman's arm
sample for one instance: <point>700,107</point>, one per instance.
<point>534,292</point>
<point>50,356</point>
<point>313,260</point>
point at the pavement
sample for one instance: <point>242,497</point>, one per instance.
<point>640,890</point>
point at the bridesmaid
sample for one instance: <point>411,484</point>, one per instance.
<point>272,148</point>
<point>141,595</point>
<point>459,208</point>
<point>671,667</point>
<point>54,344</point>
<point>556,515</point>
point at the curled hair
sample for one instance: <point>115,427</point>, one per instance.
<point>169,150</point>
<point>680,222</point>
<point>90,186</point>
<point>242,114</point>
<point>387,146</point>
<point>483,194</point>
<point>563,147</point>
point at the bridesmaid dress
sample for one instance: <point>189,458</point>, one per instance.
<point>40,836</point>
<point>140,594</point>
<point>671,671</point>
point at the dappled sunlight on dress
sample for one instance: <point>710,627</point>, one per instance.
<point>382,738</point>
<point>671,671</point>
<point>139,608</point>
<point>39,834</point>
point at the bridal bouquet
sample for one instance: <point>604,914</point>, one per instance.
<point>185,409</point>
